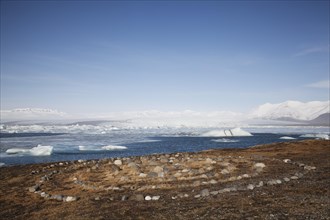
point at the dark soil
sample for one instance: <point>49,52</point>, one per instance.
<point>304,198</point>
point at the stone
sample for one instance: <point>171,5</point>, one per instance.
<point>152,174</point>
<point>271,182</point>
<point>57,197</point>
<point>294,177</point>
<point>213,182</point>
<point>143,175</point>
<point>301,164</point>
<point>205,193</point>
<point>197,183</point>
<point>224,171</point>
<point>71,198</point>
<point>124,198</point>
<point>278,181</point>
<point>286,160</point>
<point>214,193</point>
<point>250,187</point>
<point>309,168</point>
<point>139,197</point>
<point>177,175</point>
<point>118,162</point>
<point>97,198</point>
<point>158,169</point>
<point>245,175</point>
<point>286,179</point>
<point>197,196</point>
<point>155,198</point>
<point>259,165</point>
<point>163,160</point>
<point>261,183</point>
<point>133,165</point>
<point>147,198</point>
<point>34,188</point>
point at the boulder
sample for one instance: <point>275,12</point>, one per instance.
<point>118,162</point>
<point>205,193</point>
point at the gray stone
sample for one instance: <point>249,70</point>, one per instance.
<point>294,177</point>
<point>152,174</point>
<point>155,198</point>
<point>70,198</point>
<point>34,188</point>
<point>250,187</point>
<point>124,198</point>
<point>133,165</point>
<point>138,197</point>
<point>309,168</point>
<point>118,162</point>
<point>214,193</point>
<point>286,179</point>
<point>205,193</point>
<point>261,183</point>
<point>57,197</point>
<point>271,182</point>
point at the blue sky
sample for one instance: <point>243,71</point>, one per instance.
<point>104,56</point>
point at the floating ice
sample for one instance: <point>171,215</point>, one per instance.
<point>35,151</point>
<point>318,136</point>
<point>225,140</point>
<point>112,147</point>
<point>287,138</point>
<point>101,148</point>
<point>226,133</point>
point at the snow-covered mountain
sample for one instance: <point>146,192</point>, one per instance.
<point>19,114</point>
<point>291,110</point>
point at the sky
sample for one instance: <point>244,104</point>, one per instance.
<point>109,56</point>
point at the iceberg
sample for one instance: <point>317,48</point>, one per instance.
<point>102,148</point>
<point>225,140</point>
<point>287,138</point>
<point>317,136</point>
<point>40,150</point>
<point>236,132</point>
<point>112,147</point>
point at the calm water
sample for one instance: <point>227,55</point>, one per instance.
<point>66,146</point>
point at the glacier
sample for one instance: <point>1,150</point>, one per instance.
<point>236,132</point>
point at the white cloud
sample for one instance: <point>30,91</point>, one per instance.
<point>325,84</point>
<point>312,50</point>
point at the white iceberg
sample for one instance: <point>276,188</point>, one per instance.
<point>101,148</point>
<point>225,140</point>
<point>40,150</point>
<point>236,132</point>
<point>287,138</point>
<point>317,136</point>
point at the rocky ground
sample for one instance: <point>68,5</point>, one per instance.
<point>276,181</point>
